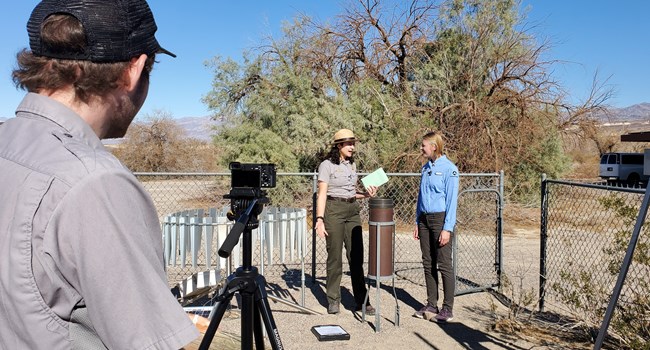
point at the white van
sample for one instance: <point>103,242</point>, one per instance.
<point>623,167</point>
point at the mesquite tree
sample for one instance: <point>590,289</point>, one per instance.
<point>390,73</point>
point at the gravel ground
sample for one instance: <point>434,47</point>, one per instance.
<point>470,329</point>
<point>474,314</point>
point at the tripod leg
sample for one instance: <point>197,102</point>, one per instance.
<point>265,311</point>
<point>247,319</point>
<point>217,315</point>
<point>259,335</point>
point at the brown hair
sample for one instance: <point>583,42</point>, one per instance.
<point>64,32</point>
<point>334,155</point>
<point>435,137</point>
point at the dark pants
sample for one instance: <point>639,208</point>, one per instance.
<point>429,228</point>
<point>343,226</point>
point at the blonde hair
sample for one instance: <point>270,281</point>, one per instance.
<point>435,138</point>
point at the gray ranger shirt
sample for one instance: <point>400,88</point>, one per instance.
<point>81,261</point>
<point>341,178</point>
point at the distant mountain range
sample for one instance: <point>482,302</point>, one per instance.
<point>196,127</point>
<point>635,114</point>
<point>202,127</point>
<point>199,127</point>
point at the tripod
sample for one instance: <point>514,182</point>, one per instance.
<point>251,287</point>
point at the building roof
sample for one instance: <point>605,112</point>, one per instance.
<point>643,136</point>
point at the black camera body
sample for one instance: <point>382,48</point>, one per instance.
<point>252,175</point>
<point>247,181</point>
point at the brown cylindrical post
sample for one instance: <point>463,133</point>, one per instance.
<point>381,214</point>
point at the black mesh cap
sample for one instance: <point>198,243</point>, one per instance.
<point>116,30</point>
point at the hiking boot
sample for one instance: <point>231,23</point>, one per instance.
<point>427,312</point>
<point>334,307</point>
<point>444,316</point>
<point>370,311</point>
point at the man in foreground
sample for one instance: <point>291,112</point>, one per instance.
<point>81,263</point>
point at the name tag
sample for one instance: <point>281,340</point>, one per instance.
<point>438,173</point>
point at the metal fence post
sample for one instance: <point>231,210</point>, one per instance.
<point>313,227</point>
<point>500,208</point>
<point>543,237</point>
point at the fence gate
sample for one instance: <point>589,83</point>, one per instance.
<point>478,250</point>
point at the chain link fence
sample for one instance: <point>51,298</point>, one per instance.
<point>477,238</point>
<point>585,231</point>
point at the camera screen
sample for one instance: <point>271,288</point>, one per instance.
<point>245,178</point>
<point>252,175</point>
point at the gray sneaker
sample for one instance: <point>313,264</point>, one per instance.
<point>333,307</point>
<point>427,312</point>
<point>444,316</point>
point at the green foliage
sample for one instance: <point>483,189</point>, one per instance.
<point>388,131</point>
<point>485,79</point>
<point>546,157</point>
<point>250,144</point>
<point>286,121</point>
<point>628,214</point>
<point>469,72</point>
<point>579,291</point>
<point>631,320</point>
<point>631,317</point>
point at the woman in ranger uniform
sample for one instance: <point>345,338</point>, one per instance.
<point>337,219</point>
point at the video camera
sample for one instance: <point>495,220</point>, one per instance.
<point>247,181</point>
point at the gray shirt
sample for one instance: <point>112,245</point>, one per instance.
<point>81,262</point>
<point>341,178</point>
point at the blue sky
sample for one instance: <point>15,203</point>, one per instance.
<point>610,37</point>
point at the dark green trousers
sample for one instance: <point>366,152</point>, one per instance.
<point>343,226</point>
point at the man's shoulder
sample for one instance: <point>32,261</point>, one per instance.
<point>78,159</point>
<point>91,158</point>
<point>45,147</point>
